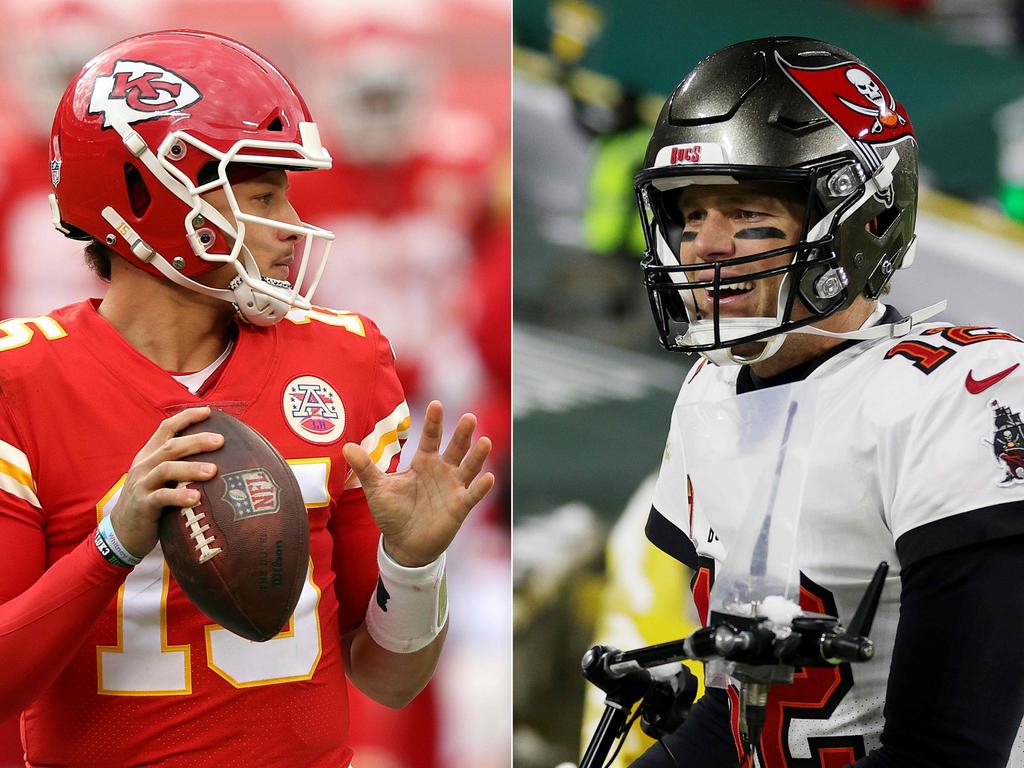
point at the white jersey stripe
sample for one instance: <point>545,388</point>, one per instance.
<point>390,429</point>
<point>17,488</point>
<point>16,474</point>
<point>17,458</point>
<point>385,441</point>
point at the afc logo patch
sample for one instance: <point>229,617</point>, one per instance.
<point>313,410</point>
<point>251,493</point>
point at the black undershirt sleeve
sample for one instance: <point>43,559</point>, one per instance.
<point>703,741</point>
<point>956,686</point>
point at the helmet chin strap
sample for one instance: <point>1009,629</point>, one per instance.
<point>703,332</point>
<point>743,326</point>
<point>254,307</point>
<point>895,330</point>
<point>259,308</point>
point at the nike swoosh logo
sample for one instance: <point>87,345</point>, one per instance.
<point>977,386</point>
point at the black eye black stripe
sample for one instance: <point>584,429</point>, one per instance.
<point>761,233</point>
<point>751,233</point>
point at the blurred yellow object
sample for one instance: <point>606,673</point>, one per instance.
<point>611,222</point>
<point>645,600</point>
<point>574,26</point>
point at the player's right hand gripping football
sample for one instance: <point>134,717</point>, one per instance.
<point>155,477</point>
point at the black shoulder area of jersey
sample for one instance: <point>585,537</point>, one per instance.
<point>670,539</point>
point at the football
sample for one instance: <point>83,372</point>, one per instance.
<point>242,553</point>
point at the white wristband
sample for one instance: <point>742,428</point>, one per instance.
<point>410,606</point>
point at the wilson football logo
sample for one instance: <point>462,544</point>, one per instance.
<point>140,90</point>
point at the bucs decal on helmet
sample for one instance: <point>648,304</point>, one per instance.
<point>1008,443</point>
<point>689,154</point>
<point>854,98</point>
<point>140,90</point>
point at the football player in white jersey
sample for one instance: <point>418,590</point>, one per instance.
<point>779,197</point>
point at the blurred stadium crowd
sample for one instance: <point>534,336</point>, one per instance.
<point>413,100</point>
<point>593,390</point>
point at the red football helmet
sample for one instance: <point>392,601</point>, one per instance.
<point>151,125</point>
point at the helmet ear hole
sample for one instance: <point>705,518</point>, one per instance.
<point>138,194</point>
<point>880,225</point>
<point>272,122</point>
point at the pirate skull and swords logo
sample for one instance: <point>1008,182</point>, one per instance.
<point>884,112</point>
<point>854,98</point>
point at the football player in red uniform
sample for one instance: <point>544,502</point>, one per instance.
<point>170,156</point>
<point>824,432</point>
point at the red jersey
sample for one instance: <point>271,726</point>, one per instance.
<point>153,681</point>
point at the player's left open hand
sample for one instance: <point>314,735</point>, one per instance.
<point>420,510</point>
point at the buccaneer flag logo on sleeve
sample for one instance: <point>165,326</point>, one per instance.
<point>1008,443</point>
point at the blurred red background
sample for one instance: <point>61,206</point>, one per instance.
<point>414,103</point>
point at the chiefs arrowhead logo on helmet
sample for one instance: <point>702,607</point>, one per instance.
<point>140,90</point>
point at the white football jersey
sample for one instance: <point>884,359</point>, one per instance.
<point>908,448</point>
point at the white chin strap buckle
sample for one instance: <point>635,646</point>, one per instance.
<point>259,308</point>
<point>702,332</point>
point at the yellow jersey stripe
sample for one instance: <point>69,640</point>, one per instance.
<point>17,474</point>
<point>385,441</point>
<point>18,488</point>
<point>16,457</point>
<point>394,426</point>
<point>388,440</point>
